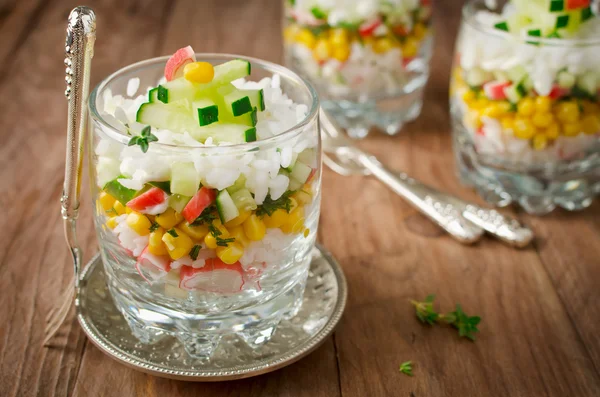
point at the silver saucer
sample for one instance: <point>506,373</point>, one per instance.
<point>322,307</point>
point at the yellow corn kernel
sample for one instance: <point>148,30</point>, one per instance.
<point>410,48</point>
<point>119,208</point>
<point>276,219</point>
<point>290,32</point>
<point>472,119</point>
<point>155,243</point>
<point>368,41</point>
<point>295,222</point>
<point>338,37</point>
<point>199,72</point>
<point>302,197</point>
<point>128,210</point>
<point>419,31</point>
<point>230,254</point>
<point>572,129</point>
<point>306,38</point>
<point>524,129</point>
<point>542,120</point>
<point>382,45</point>
<point>210,241</point>
<point>322,50</point>
<point>106,201</point>
<point>179,246</point>
<point>567,112</point>
<point>293,204</point>
<point>590,124</point>
<point>139,223</point>
<point>553,131</point>
<point>543,104</point>
<point>112,222</point>
<point>239,219</point>
<point>508,122</point>
<point>480,103</point>
<point>539,141</point>
<point>469,97</point>
<point>341,53</point>
<point>195,232</point>
<point>306,232</point>
<point>526,107</point>
<point>237,232</point>
<point>254,228</point>
<point>496,109</point>
<point>169,218</point>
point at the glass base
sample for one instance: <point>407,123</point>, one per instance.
<point>538,188</point>
<point>200,333</point>
<point>389,114</point>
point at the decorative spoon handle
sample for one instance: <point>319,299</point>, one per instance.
<point>79,49</point>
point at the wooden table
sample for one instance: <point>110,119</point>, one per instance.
<point>540,334</point>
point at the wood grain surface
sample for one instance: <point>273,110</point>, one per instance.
<point>540,334</point>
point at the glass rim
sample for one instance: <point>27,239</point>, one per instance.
<point>468,16</point>
<point>118,135</point>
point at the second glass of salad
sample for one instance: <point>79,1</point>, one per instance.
<point>369,59</point>
<point>206,178</point>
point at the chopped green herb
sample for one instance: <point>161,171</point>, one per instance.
<point>208,215</point>
<point>173,233</point>
<point>269,205</point>
<point>502,26</point>
<point>195,251</point>
<point>425,311</point>
<point>466,325</point>
<point>406,368</point>
<point>222,242</point>
<point>557,5</point>
<point>318,13</point>
<point>562,22</point>
<point>154,227</point>
<point>144,139</point>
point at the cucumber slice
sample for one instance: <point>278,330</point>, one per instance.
<point>566,80</point>
<point>118,191</point>
<point>588,82</point>
<point>226,207</point>
<point>205,112</point>
<point>178,202</point>
<point>257,98</point>
<point>243,200</point>
<point>184,179</point>
<point>229,71</point>
<point>237,103</point>
<point>300,172</point>
<point>172,117</point>
<point>239,184</point>
<point>177,90</point>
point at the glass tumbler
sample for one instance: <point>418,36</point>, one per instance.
<point>200,298</point>
<point>368,59</point>
<point>526,108</point>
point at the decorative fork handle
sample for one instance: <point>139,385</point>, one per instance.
<point>429,201</point>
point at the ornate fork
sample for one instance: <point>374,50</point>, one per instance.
<point>79,49</point>
<point>464,221</point>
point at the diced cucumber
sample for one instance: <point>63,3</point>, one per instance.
<point>502,26</point>
<point>118,191</point>
<point>184,179</point>
<point>229,71</point>
<point>514,93</point>
<point>250,134</point>
<point>257,98</point>
<point>176,90</point>
<point>476,77</point>
<point>561,22</point>
<point>307,156</point>
<point>231,133</point>
<point>178,202</point>
<point>516,73</point>
<point>239,184</point>
<point>153,95</point>
<point>171,117</point>
<point>500,75</point>
<point>226,207</point>
<point>205,111</point>
<point>243,200</point>
<point>250,119</point>
<point>237,103</point>
<point>165,186</point>
<point>586,14</point>
<point>290,167</point>
<point>294,184</point>
<point>300,172</point>
<point>588,83</point>
<point>566,80</point>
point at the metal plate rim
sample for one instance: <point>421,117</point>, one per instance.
<point>216,376</point>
